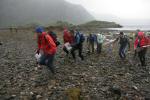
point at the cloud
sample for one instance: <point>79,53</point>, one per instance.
<point>125,9</point>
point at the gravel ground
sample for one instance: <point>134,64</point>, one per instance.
<point>98,77</point>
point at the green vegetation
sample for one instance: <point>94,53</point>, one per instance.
<point>100,24</point>
<point>63,24</point>
<point>91,24</point>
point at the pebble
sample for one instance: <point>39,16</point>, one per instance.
<point>38,96</point>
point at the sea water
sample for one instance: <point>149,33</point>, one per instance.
<point>142,27</point>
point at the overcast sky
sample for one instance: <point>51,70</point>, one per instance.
<point>123,9</point>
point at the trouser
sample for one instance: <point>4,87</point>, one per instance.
<point>122,52</point>
<point>47,60</point>
<point>78,47</point>
<point>110,50</point>
<point>65,50</point>
<point>91,46</point>
<point>141,55</point>
<point>99,48</point>
<point>135,53</point>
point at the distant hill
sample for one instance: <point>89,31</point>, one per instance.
<point>100,24</point>
<point>22,12</point>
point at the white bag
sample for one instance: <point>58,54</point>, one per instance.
<point>68,46</point>
<point>38,56</point>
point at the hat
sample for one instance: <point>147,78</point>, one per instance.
<point>140,34</point>
<point>39,29</point>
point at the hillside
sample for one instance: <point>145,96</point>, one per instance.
<point>100,24</point>
<point>22,12</point>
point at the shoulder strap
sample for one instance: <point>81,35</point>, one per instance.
<point>45,37</point>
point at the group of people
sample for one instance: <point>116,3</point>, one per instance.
<point>95,39</point>
<point>74,39</point>
<point>47,46</point>
<point>13,29</point>
<point>141,45</point>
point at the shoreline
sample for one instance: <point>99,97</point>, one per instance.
<point>112,30</point>
<point>124,29</point>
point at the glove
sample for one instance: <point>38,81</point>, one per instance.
<point>57,43</point>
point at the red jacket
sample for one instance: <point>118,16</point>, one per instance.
<point>148,40</point>
<point>46,43</point>
<point>68,37</point>
<point>143,42</point>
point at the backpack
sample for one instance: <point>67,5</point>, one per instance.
<point>54,37</point>
<point>82,38</point>
<point>91,38</point>
<point>124,40</point>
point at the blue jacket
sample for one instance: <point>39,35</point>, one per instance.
<point>77,37</point>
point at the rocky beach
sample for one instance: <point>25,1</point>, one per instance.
<point>98,77</point>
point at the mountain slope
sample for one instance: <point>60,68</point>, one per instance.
<point>20,12</point>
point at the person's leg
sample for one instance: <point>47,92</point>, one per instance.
<point>110,50</point>
<point>144,58</point>
<point>73,53</point>
<point>80,48</point>
<point>124,52</point>
<point>50,63</point>
<point>135,54</point>
<point>140,56</point>
<point>88,46</point>
<point>143,54</point>
<point>100,47</point>
<point>42,60</point>
<point>65,50</point>
<point>92,46</point>
<point>120,52</point>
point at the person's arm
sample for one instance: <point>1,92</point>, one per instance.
<point>78,39</point>
<point>39,45</point>
<point>98,40</point>
<point>104,38</point>
<point>116,40</point>
<point>87,40</point>
<point>128,43</point>
<point>49,40</point>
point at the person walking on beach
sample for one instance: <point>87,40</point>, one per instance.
<point>90,42</point>
<point>47,48</point>
<point>140,45</point>
<point>100,40</point>
<point>78,45</point>
<point>135,36</point>
<point>68,37</point>
<point>123,41</point>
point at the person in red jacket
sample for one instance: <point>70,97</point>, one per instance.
<point>140,45</point>
<point>68,37</point>
<point>46,47</point>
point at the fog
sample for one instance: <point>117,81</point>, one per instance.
<point>44,12</point>
<point>125,12</point>
<point>122,11</point>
